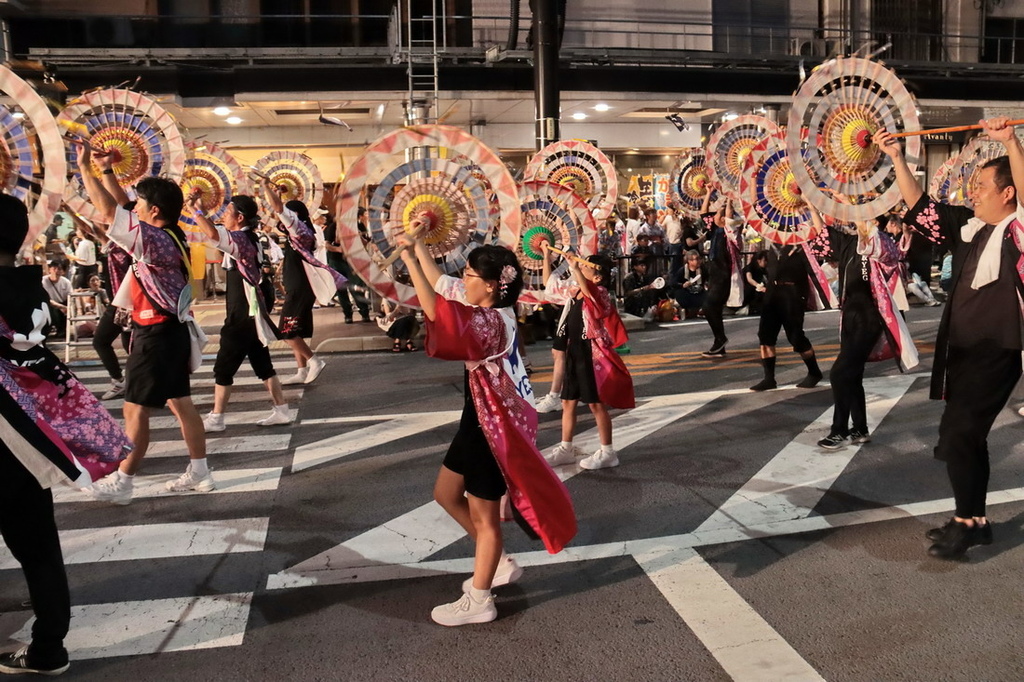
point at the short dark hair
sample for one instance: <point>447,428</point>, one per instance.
<point>604,268</point>
<point>299,209</point>
<point>164,194</point>
<point>490,261</point>
<point>13,224</point>
<point>246,206</point>
<point>1004,175</point>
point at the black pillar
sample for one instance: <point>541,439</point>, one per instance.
<point>545,70</point>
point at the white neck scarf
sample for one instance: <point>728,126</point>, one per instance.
<point>991,254</point>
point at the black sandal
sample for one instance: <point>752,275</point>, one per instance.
<point>409,345</point>
<point>397,348</point>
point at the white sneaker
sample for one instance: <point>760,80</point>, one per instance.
<point>116,390</point>
<point>213,422</point>
<point>192,481</point>
<point>278,415</point>
<point>549,403</point>
<point>563,455</point>
<point>1021,411</point>
<point>313,368</point>
<point>465,611</point>
<point>113,488</point>
<point>298,378</point>
<point>508,572</point>
<point>602,459</point>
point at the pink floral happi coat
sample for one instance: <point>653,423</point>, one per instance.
<point>480,338</point>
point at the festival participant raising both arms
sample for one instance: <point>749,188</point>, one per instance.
<point>594,372</point>
<point>473,320</point>
<point>978,347</point>
<point>871,326</point>
<point>306,281</point>
<point>157,291</point>
<point>247,330</point>
<point>724,283</point>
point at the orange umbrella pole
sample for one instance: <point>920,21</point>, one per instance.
<point>953,129</point>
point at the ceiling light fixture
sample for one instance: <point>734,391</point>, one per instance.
<point>579,116</point>
<point>222,111</point>
<point>233,120</point>
<point>601,107</point>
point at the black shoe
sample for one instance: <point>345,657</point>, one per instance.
<point>955,542</point>
<point>764,385</point>
<point>17,663</point>
<point>348,320</point>
<point>858,436</point>
<point>715,352</point>
<point>810,381</point>
<point>982,536</point>
<point>832,441</point>
<point>364,318</point>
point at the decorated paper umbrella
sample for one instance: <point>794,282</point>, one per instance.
<point>32,163</point>
<point>944,186</point>
<point>967,167</point>
<point>439,177</point>
<point>841,105</point>
<point>729,146</point>
<point>213,174</point>
<point>772,200</point>
<point>297,174</point>
<point>582,167</point>
<point>554,214</point>
<point>144,139</point>
<point>689,181</point>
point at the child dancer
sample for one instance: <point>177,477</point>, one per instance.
<point>473,320</point>
<point>594,373</point>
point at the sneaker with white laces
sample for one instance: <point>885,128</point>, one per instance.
<point>465,611</point>
<point>508,572</point>
<point>549,403</point>
<point>314,367</point>
<point>116,390</point>
<point>213,422</point>
<point>279,415</point>
<point>192,481</point>
<point>17,663</point>
<point>832,441</point>
<point>563,454</point>
<point>115,488</point>
<point>604,458</point>
<point>298,378</point>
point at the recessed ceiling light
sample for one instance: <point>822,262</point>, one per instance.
<point>222,111</point>
<point>601,107</point>
<point>579,116</point>
<point>18,115</point>
<point>233,120</point>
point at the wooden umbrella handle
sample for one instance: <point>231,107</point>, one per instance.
<point>953,129</point>
<point>581,261</point>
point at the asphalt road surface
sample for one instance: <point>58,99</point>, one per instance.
<point>725,546</point>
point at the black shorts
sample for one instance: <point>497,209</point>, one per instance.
<point>237,342</point>
<point>558,343</point>
<point>580,383</point>
<point>784,310</point>
<point>470,456</point>
<point>157,367</point>
<point>297,315</point>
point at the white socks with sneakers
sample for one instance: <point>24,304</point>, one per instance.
<point>199,467</point>
<point>479,595</point>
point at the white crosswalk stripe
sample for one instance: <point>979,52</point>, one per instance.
<point>784,491</point>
